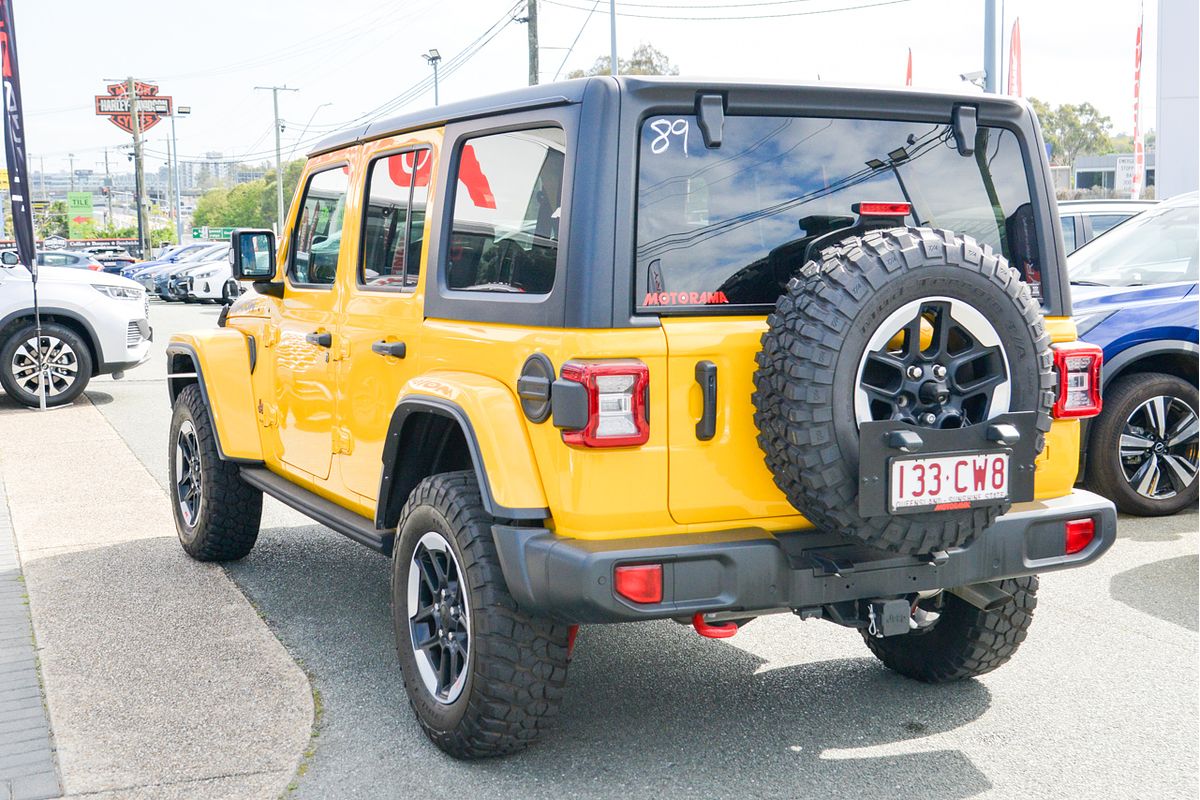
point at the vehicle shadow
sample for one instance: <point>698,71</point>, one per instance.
<point>1164,589</point>
<point>649,708</point>
<point>1167,529</point>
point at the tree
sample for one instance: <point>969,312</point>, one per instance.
<point>646,60</point>
<point>250,204</point>
<point>1073,130</point>
<point>55,221</point>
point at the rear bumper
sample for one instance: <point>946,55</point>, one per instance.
<point>752,571</point>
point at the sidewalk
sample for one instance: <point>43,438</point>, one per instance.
<point>160,678</point>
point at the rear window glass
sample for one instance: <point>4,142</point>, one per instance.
<point>1101,223</point>
<point>728,227</point>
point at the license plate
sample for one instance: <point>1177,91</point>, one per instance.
<point>943,483</point>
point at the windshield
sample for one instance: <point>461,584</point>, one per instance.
<point>729,226</point>
<point>1156,246</point>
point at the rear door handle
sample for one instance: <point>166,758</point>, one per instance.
<point>393,349</point>
<point>319,339</point>
<point>706,376</point>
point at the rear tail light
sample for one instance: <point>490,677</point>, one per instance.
<point>1079,534</point>
<point>616,402</point>
<point>1078,367</point>
<point>641,583</point>
<point>882,209</point>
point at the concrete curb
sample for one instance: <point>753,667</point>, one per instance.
<point>161,679</point>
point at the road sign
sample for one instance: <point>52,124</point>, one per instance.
<point>79,213</point>
<point>115,105</point>
<point>206,232</point>
<point>1123,177</point>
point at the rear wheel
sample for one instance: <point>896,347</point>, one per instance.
<point>1142,449</point>
<point>59,360</point>
<point>484,678</point>
<point>965,641</point>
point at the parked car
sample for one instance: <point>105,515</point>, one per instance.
<point>93,323</point>
<point>212,282</point>
<point>64,258</point>
<point>154,279</point>
<point>170,256</point>
<point>671,350</point>
<point>1135,295</point>
<point>115,259</point>
<point>1084,220</point>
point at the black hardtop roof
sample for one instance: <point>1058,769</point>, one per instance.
<point>572,91</point>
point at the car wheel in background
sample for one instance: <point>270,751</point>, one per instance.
<point>217,514</point>
<point>62,359</point>
<point>1142,449</point>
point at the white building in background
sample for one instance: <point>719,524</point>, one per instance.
<point>1178,142</point>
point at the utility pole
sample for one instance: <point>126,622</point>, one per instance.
<point>71,162</point>
<point>139,170</point>
<point>180,111</point>
<point>991,49</point>
<point>42,175</point>
<point>612,29</point>
<point>173,201</point>
<point>280,212</point>
<point>108,222</point>
<point>531,21</point>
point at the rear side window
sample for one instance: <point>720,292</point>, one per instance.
<point>317,236</point>
<point>726,228</point>
<point>394,220</point>
<point>1068,229</point>
<point>508,193</point>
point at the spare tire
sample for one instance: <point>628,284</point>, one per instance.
<point>910,324</point>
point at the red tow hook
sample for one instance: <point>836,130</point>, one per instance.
<point>572,632</point>
<point>713,631</point>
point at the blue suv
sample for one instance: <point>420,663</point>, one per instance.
<point>1134,292</point>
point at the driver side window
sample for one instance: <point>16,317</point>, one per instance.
<point>317,235</point>
<point>507,202</point>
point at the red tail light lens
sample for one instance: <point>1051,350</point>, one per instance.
<point>616,397</point>
<point>882,209</point>
<point>641,583</point>
<point>1079,534</point>
<point>1078,366</point>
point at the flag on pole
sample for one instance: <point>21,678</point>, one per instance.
<point>1014,60</point>
<point>1139,154</point>
<point>908,75</point>
<point>18,171</point>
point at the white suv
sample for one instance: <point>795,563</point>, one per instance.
<point>93,323</point>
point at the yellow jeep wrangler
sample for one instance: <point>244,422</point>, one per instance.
<point>627,349</point>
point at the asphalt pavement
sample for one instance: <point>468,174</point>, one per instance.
<point>1101,701</point>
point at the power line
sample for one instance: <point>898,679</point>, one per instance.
<point>734,17</point>
<point>571,49</point>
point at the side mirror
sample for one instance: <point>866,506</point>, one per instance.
<point>252,254</point>
<point>9,259</point>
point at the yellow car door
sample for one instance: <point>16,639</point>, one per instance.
<point>304,360</point>
<point>383,311</point>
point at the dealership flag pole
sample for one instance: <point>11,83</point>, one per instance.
<point>18,177</point>
<point>1139,152</point>
<point>908,74</point>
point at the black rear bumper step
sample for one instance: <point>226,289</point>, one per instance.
<point>346,522</point>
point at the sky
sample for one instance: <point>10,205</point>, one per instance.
<point>357,55</point>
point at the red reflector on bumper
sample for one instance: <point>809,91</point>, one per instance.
<point>1079,534</point>
<point>641,583</point>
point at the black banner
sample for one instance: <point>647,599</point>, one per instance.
<point>14,141</point>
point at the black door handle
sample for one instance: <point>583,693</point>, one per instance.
<point>393,349</point>
<point>319,339</point>
<point>706,376</point>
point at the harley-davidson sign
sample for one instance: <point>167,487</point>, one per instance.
<point>115,105</point>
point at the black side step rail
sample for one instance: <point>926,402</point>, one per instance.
<point>328,513</point>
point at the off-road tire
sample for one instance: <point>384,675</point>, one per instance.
<point>965,642</point>
<point>230,511</point>
<point>1105,475</point>
<point>517,663</point>
<point>808,365</point>
<point>25,332</point>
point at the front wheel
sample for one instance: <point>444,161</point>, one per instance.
<point>59,359</point>
<point>217,514</point>
<point>1142,450</point>
<point>484,678</point>
<point>965,641</point>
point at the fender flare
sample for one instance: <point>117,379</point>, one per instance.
<point>445,408</point>
<point>176,381</point>
<point>1161,347</point>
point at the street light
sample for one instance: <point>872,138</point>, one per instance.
<point>433,57</point>
<point>178,111</point>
